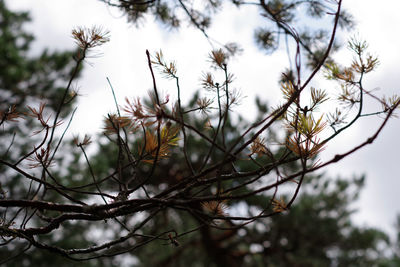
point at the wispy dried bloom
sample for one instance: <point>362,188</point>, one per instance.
<point>279,205</point>
<point>86,141</point>
<point>113,123</point>
<point>357,45</point>
<point>361,64</point>
<point>335,72</point>
<point>219,58</point>
<point>288,90</point>
<point>207,80</point>
<point>147,115</point>
<point>10,115</point>
<point>365,62</point>
<point>90,37</point>
<point>390,102</point>
<point>38,114</point>
<point>134,109</point>
<point>215,207</point>
<point>393,101</point>
<point>364,67</point>
<point>258,147</point>
<point>349,96</point>
<point>318,96</point>
<point>40,159</point>
<point>203,104</point>
<point>230,78</point>
<point>306,148</point>
<point>337,118</point>
<point>169,69</point>
<point>235,96</point>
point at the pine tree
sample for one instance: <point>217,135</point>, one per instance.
<point>172,182</point>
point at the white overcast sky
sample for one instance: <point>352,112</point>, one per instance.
<point>124,62</point>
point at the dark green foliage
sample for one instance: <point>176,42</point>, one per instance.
<point>27,79</point>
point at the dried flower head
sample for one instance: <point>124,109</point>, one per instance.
<point>394,100</point>
<point>258,147</point>
<point>288,90</point>
<point>135,109</point>
<point>39,115</point>
<point>349,96</point>
<point>146,114</point>
<point>90,37</point>
<point>219,58</point>
<point>235,97</point>
<point>318,96</point>
<point>203,104</point>
<point>207,81</point>
<point>168,69</point>
<point>304,147</point>
<point>86,141</point>
<point>10,115</point>
<point>40,158</point>
<point>279,205</point>
<point>336,118</point>
<point>113,123</point>
<point>215,207</point>
<point>389,103</point>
